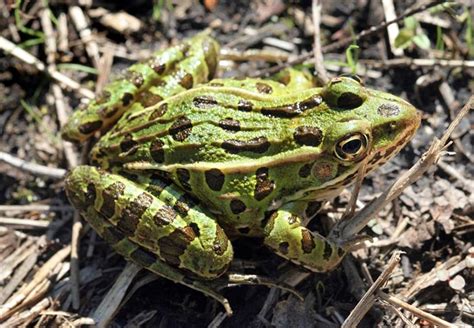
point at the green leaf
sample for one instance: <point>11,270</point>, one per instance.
<point>439,38</point>
<point>405,38</point>
<point>77,67</point>
<point>410,23</point>
<point>352,56</point>
<point>422,41</point>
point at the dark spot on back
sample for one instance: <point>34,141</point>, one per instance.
<point>156,151</point>
<point>90,127</point>
<point>244,230</point>
<point>160,111</point>
<point>136,78</point>
<point>158,67</point>
<point>127,99</point>
<point>256,145</point>
<point>229,124</point>
<point>308,136</point>
<point>187,81</point>
<point>204,102</point>
<point>263,88</point>
<point>244,105</point>
<point>181,128</point>
<point>214,179</point>
<point>237,206</point>
<point>148,98</point>
<point>292,110</point>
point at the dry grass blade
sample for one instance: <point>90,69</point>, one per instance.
<point>41,276</point>
<point>33,168</point>
<point>21,54</point>
<point>110,304</point>
<point>369,298</point>
<point>322,75</point>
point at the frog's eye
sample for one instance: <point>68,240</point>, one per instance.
<point>352,147</point>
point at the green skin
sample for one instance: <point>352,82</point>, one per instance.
<point>186,163</point>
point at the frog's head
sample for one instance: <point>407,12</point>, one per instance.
<point>363,125</point>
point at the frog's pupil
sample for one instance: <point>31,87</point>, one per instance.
<point>352,146</point>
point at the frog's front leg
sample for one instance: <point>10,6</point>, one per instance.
<point>151,223</point>
<point>285,234</point>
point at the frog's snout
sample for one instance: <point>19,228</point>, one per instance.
<point>402,117</point>
<point>397,123</point>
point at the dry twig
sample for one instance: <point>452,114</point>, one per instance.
<point>322,75</point>
<point>344,42</point>
<point>33,168</point>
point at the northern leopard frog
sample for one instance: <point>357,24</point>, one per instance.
<point>185,163</point>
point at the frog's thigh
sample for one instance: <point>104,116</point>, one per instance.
<point>289,239</point>
<point>139,224</point>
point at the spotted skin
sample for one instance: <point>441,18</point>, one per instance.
<point>185,163</point>
<point>151,220</point>
<point>168,72</point>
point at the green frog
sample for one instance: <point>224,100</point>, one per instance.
<point>186,163</point>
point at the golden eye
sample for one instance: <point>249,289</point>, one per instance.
<point>352,147</point>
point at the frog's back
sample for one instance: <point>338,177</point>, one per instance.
<point>244,150</point>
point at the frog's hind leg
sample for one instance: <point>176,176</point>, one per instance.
<point>285,234</point>
<point>151,231</point>
<point>144,84</point>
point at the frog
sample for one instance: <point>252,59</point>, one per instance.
<point>186,162</point>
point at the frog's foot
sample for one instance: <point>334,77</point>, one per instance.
<point>285,234</point>
<point>155,217</point>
